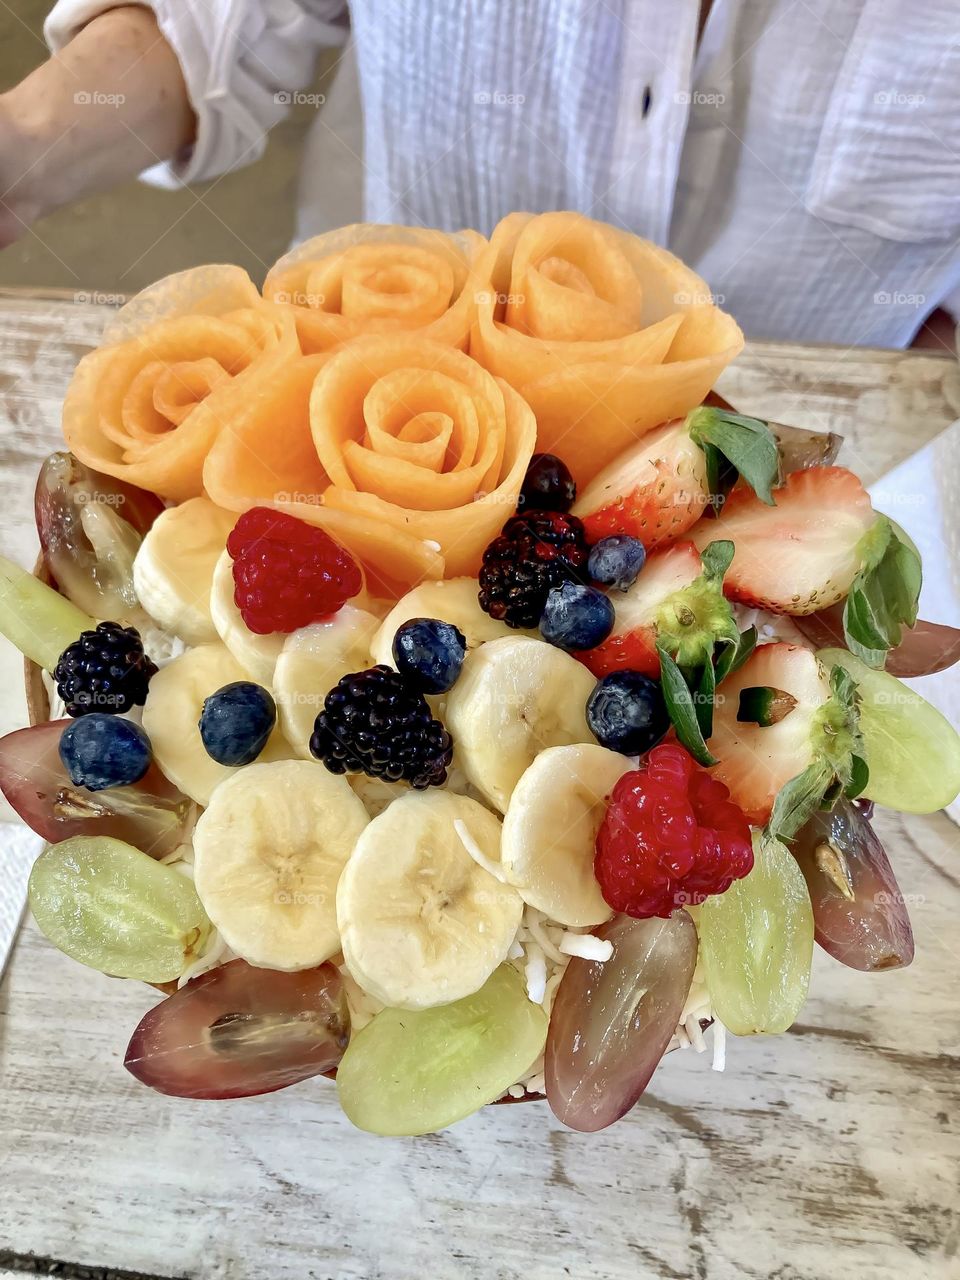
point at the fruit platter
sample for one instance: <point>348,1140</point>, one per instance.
<point>436,687</point>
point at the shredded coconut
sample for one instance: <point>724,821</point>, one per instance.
<point>587,946</point>
<point>719,1045</point>
<point>216,954</point>
<point>535,970</point>
<point>475,852</point>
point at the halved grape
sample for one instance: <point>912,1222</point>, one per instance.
<point>152,814</point>
<point>859,914</point>
<point>90,528</point>
<point>612,1021</point>
<point>923,650</point>
<point>416,1072</point>
<point>237,1031</point>
<point>111,907</point>
<point>912,751</point>
<point>756,941</point>
<point>801,449</point>
<point>37,619</point>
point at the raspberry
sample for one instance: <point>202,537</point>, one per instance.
<point>286,573</point>
<point>535,552</point>
<point>671,836</point>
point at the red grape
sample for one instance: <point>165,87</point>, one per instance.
<point>152,814</point>
<point>236,1031</point>
<point>923,650</point>
<point>858,910</point>
<point>801,449</point>
<point>612,1021</point>
<point>90,526</point>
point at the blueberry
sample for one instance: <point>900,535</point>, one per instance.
<point>101,750</point>
<point>236,722</point>
<point>576,617</point>
<point>627,713</point>
<point>429,653</point>
<point>548,485</point>
<point>616,561</point>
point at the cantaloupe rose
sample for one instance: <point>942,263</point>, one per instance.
<point>371,278</point>
<point>605,335</point>
<point>176,364</point>
<point>421,452</point>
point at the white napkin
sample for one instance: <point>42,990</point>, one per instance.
<point>922,495</point>
<point>18,848</point>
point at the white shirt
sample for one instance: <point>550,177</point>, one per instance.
<point>804,159</point>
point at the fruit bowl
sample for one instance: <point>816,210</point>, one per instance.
<point>409,755</point>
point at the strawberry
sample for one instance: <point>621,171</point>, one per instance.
<point>655,491</point>
<point>809,742</point>
<point>676,601</point>
<point>803,554</point>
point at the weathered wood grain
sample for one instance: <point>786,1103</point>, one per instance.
<point>832,1151</point>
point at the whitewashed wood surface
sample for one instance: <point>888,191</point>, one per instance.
<point>831,1151</point>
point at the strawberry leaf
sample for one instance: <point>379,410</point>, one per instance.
<point>859,777</point>
<point>716,558</point>
<point>704,699</point>
<point>682,709</point>
<point>798,799</point>
<point>884,595</point>
<point>745,443</point>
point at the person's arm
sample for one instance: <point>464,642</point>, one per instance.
<point>110,104</point>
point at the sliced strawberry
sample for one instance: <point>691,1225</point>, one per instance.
<point>754,762</point>
<point>801,555</point>
<point>674,601</point>
<point>655,491</point>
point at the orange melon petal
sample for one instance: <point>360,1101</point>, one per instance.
<point>370,278</point>
<point>148,410</point>
<point>604,334</point>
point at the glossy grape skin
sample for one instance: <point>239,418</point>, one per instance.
<point>151,814</point>
<point>859,914</point>
<point>924,649</point>
<point>90,528</point>
<point>801,449</point>
<point>410,1072</point>
<point>35,618</point>
<point>237,1031</point>
<point>911,750</point>
<point>109,906</point>
<point>756,941</point>
<point>612,1021</point>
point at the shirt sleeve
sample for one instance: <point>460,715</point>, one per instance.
<point>243,61</point>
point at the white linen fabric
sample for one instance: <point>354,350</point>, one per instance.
<point>803,156</point>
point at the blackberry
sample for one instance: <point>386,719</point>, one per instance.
<point>534,553</point>
<point>375,723</point>
<point>104,670</point>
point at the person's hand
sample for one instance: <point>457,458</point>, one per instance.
<point>106,107</point>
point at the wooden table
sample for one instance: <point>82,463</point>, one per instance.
<point>832,1151</point>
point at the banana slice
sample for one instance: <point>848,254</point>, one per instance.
<point>452,601</point>
<point>421,923</point>
<point>172,712</point>
<point>268,853</point>
<point>376,793</point>
<point>256,654</point>
<point>311,662</point>
<point>550,831</point>
<point>514,698</point>
<point>173,570</point>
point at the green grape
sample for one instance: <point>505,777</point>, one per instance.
<point>912,752</point>
<point>756,941</point>
<point>35,618</point>
<point>410,1072</point>
<point>111,907</point>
